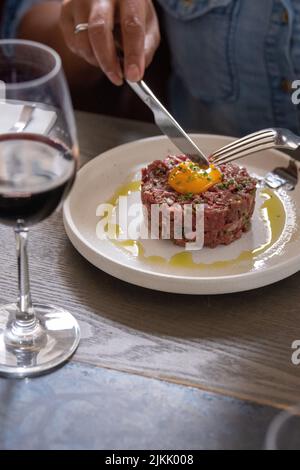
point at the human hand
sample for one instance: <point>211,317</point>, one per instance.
<point>139,32</point>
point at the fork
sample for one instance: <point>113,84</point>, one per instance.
<point>261,140</point>
<point>24,119</point>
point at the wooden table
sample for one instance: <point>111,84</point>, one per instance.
<point>153,370</point>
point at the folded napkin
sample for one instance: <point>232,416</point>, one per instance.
<point>41,122</point>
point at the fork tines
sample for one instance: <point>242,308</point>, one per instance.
<point>258,141</point>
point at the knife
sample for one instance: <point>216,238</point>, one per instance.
<point>168,125</point>
<point>163,119</point>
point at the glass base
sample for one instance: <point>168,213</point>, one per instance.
<point>55,338</point>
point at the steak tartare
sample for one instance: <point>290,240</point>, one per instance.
<point>228,205</point>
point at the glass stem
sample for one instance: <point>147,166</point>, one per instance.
<point>25,316</point>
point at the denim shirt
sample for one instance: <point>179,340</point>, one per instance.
<point>13,12</point>
<point>233,63</point>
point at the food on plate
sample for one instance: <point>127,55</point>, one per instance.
<point>187,177</point>
<point>227,192</point>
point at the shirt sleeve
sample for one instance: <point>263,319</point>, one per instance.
<point>13,12</point>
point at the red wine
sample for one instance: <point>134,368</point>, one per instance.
<point>36,174</point>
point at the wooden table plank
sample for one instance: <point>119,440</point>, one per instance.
<point>99,133</point>
<point>238,345</point>
<point>83,407</point>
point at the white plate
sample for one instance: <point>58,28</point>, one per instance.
<point>100,178</point>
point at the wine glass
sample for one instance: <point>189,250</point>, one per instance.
<point>284,431</point>
<point>38,161</point>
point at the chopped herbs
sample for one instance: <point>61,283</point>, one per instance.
<point>187,196</point>
<point>223,186</point>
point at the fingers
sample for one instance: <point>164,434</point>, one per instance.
<point>101,26</point>
<point>139,30</point>
<point>74,12</point>
<point>83,46</point>
<point>67,24</point>
<point>133,27</point>
<point>152,39</point>
<point>96,45</point>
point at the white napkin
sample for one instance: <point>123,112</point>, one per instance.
<point>41,122</point>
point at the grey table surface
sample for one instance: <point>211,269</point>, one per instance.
<point>153,370</point>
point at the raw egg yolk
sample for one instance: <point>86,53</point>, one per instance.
<point>188,177</point>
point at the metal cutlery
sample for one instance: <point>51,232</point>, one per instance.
<point>252,143</point>
<point>168,125</point>
<point>263,140</point>
<point>163,119</point>
<point>24,119</point>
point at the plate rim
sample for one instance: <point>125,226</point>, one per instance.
<point>71,228</point>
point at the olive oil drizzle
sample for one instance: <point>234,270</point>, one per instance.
<point>272,213</point>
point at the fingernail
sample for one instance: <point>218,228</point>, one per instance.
<point>116,79</point>
<point>120,74</point>
<point>133,73</point>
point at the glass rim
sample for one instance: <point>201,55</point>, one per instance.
<point>37,81</point>
<point>271,441</point>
